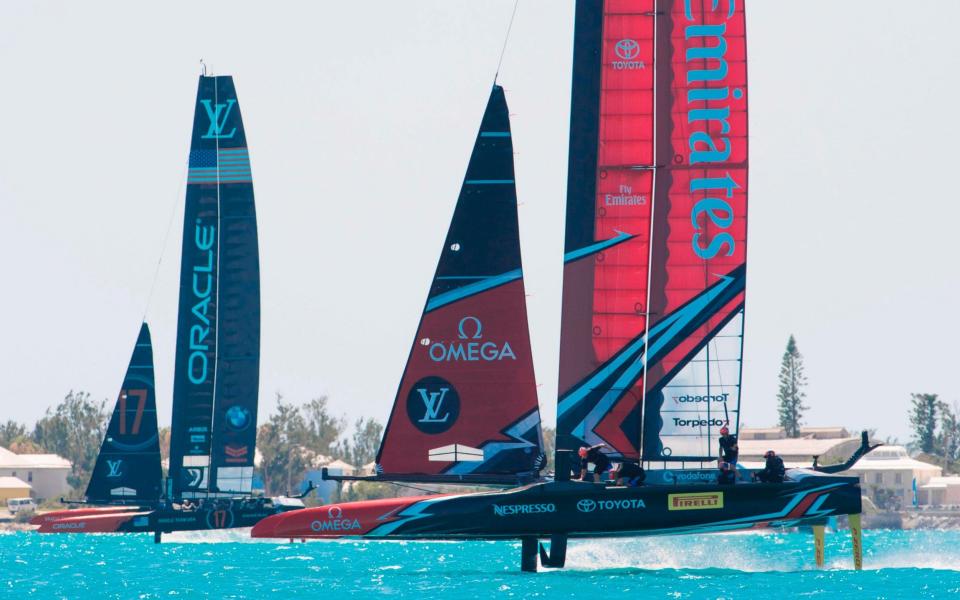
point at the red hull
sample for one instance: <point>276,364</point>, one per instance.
<point>56,515</point>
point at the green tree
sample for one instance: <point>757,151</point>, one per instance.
<point>321,429</point>
<point>549,446</point>
<point>282,459</point>
<point>923,419</point>
<point>362,447</point>
<point>12,432</point>
<point>74,429</point>
<point>948,440</point>
<point>791,394</point>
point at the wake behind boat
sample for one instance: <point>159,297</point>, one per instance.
<point>653,315</point>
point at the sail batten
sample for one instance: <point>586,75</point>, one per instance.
<point>639,315</point>
<point>467,403</point>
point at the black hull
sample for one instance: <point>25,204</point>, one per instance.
<point>579,509</point>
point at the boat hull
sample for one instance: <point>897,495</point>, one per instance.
<point>577,509</point>
<point>56,515</point>
<point>167,519</point>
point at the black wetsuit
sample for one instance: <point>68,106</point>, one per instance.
<point>728,449</point>
<point>773,471</point>
<point>631,473</point>
<point>727,477</point>
<point>599,459</point>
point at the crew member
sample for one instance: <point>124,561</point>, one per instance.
<point>729,450</point>
<point>727,474</point>
<point>630,474</point>
<point>773,471</point>
<point>601,464</point>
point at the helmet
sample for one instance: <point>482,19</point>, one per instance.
<point>769,453</point>
<point>583,451</point>
<point>724,430</point>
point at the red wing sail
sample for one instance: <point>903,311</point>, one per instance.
<point>656,222</point>
<point>467,404</point>
<point>609,201</point>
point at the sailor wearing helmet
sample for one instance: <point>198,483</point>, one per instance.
<point>601,464</point>
<point>729,450</point>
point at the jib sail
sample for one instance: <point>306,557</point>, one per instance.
<point>467,403</point>
<point>218,332</point>
<point>128,466</point>
<point>656,228</point>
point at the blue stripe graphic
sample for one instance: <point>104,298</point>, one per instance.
<point>596,247</point>
<point>472,289</point>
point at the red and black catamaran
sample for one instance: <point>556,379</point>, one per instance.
<point>653,313</point>
<point>217,363</point>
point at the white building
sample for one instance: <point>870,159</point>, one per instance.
<point>889,472</point>
<point>45,473</point>
<point>941,491</point>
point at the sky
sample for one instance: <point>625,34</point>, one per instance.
<point>360,118</point>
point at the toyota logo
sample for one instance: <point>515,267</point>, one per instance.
<point>334,512</point>
<point>586,505</point>
<point>627,49</point>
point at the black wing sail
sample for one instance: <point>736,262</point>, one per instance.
<point>238,326</point>
<point>218,330</point>
<point>128,466</point>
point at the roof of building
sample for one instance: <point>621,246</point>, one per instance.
<point>9,460</point>
<point>892,458</point>
<point>793,446</point>
<point>14,483</point>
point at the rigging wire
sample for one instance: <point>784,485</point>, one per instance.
<point>413,487</point>
<point>506,39</point>
<point>166,239</point>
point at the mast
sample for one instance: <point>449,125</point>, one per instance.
<point>467,403</point>
<point>216,375</point>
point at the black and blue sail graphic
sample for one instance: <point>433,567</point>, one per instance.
<point>218,331</point>
<point>467,403</point>
<point>587,402</point>
<point>128,466</point>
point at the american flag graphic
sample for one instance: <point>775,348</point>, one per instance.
<point>226,165</point>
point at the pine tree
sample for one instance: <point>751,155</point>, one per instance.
<point>791,394</point>
<point>923,418</point>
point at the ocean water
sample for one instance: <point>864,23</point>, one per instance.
<point>774,565</point>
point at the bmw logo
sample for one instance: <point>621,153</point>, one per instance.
<point>586,505</point>
<point>238,418</point>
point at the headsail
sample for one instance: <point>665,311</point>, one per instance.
<point>128,466</point>
<point>467,403</point>
<point>656,227</point>
<point>218,332</point>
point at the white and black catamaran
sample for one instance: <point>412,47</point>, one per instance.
<point>653,305</point>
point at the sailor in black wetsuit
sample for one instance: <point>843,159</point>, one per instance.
<point>630,474</point>
<point>729,450</point>
<point>727,474</point>
<point>601,464</point>
<point>773,471</point>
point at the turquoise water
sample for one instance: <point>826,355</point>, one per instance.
<point>898,564</point>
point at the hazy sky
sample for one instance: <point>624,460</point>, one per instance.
<point>360,118</point>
